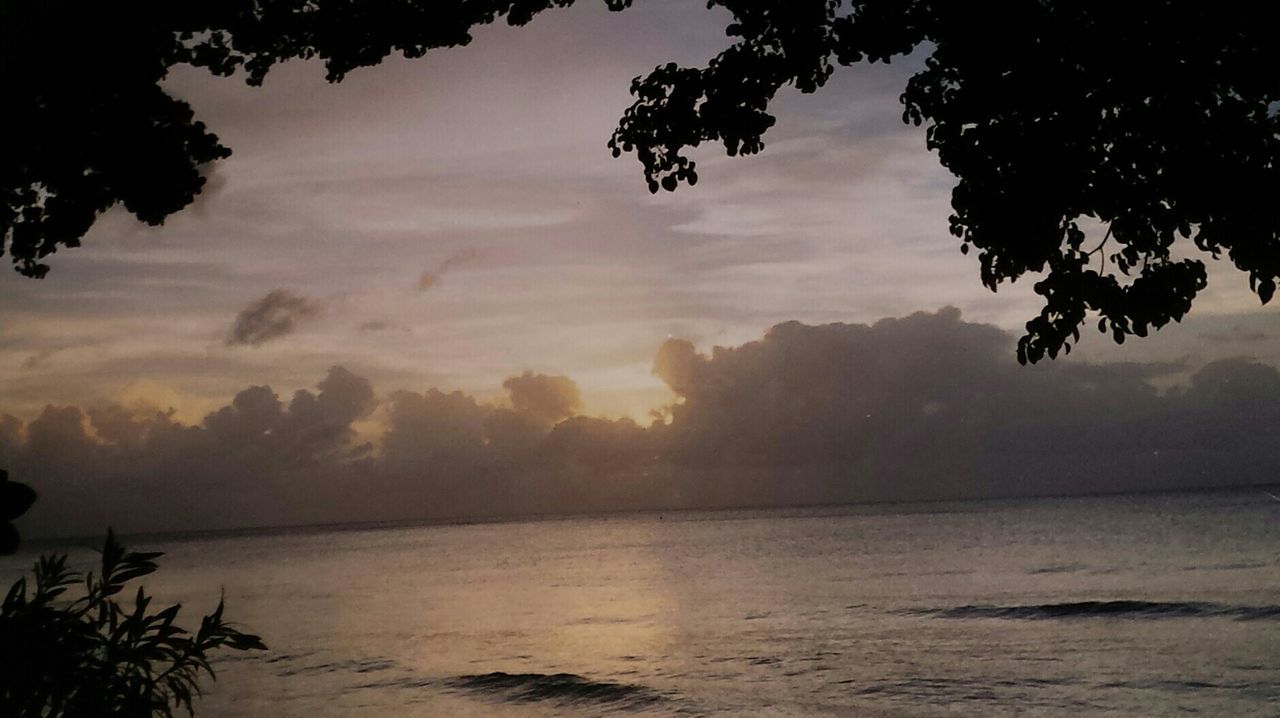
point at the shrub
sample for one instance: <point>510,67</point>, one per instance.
<point>93,656</point>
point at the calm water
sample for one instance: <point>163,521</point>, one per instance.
<point>1152,605</point>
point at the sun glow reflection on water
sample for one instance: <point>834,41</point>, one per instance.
<point>1117,605</point>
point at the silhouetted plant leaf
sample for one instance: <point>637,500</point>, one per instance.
<point>93,657</point>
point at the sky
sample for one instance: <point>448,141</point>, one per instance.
<point>456,223</point>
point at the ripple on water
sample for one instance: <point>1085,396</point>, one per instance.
<point>558,687</point>
<point>1104,609</point>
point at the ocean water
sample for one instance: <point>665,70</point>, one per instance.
<point>1123,605</point>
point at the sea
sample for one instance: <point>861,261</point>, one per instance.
<point>1143,605</point>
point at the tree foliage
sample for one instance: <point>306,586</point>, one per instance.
<point>94,656</point>
<point>1153,118</point>
<point>15,499</point>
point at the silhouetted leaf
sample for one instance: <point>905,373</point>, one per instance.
<point>91,657</point>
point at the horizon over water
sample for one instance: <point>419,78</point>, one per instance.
<point>1147,604</point>
<point>34,544</point>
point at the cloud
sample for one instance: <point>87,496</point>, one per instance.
<point>314,427</point>
<point>547,399</point>
<point>1236,333</point>
<point>271,317</point>
<point>12,437</point>
<point>431,277</point>
<point>215,181</point>
<point>38,360</point>
<point>927,406</point>
<point>434,432</point>
<point>676,364</point>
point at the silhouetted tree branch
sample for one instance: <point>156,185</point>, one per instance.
<point>1155,117</point>
<point>15,499</point>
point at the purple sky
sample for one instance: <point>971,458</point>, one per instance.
<point>485,168</point>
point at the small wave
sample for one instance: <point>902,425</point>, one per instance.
<point>1180,686</point>
<point>1105,609</point>
<point>1027,693</point>
<point>1057,568</point>
<point>560,687</point>
<point>1264,692</point>
<point>1238,566</point>
<point>405,681</point>
<point>950,688</point>
<point>601,620</point>
<point>369,665</point>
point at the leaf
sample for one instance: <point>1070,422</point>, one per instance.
<point>112,661</point>
<point>17,594</point>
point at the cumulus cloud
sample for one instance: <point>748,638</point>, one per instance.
<point>314,427</point>
<point>676,364</point>
<point>929,406</point>
<point>271,317</point>
<point>431,277</point>
<point>920,407</point>
<point>434,432</point>
<point>547,399</point>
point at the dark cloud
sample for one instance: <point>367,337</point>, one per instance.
<point>118,425</point>
<point>1236,333</point>
<point>431,277</point>
<point>921,407</point>
<point>547,399</point>
<point>676,364</point>
<point>12,438</point>
<point>929,406</point>
<point>380,326</point>
<point>434,432</point>
<point>38,360</point>
<point>313,428</point>
<point>60,435</point>
<point>271,317</point>
<point>253,413</point>
<point>317,427</point>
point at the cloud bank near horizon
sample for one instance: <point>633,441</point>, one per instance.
<point>923,407</point>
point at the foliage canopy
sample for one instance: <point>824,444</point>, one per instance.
<point>1155,118</point>
<point>15,499</point>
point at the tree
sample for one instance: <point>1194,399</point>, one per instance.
<point>15,499</point>
<point>1154,118</point>
<point>93,656</point>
